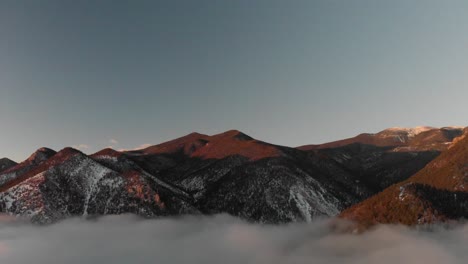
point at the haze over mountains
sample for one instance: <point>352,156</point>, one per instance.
<point>258,181</point>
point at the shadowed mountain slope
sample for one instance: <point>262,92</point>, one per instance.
<point>6,163</point>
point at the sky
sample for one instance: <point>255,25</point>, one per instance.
<point>92,74</point>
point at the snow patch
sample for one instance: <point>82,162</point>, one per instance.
<point>411,132</point>
<point>91,172</point>
<point>402,194</point>
<point>312,201</point>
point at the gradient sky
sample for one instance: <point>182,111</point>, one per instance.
<point>126,73</point>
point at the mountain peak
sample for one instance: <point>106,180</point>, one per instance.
<point>184,143</point>
<point>229,143</point>
<point>410,131</point>
<point>6,163</point>
<point>233,133</point>
<point>6,160</point>
<point>107,152</point>
<point>41,155</point>
<point>69,151</point>
<point>400,139</point>
<point>195,134</point>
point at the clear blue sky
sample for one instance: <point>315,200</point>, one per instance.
<point>288,72</point>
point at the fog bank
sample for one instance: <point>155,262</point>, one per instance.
<point>222,239</point>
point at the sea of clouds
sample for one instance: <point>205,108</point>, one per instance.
<point>223,239</point>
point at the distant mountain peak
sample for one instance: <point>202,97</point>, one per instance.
<point>6,163</point>
<point>67,152</point>
<point>235,134</point>
<point>110,152</point>
<point>195,134</point>
<point>400,138</point>
<point>41,155</point>
<point>229,143</point>
<point>411,131</point>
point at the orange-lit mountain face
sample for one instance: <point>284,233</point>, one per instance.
<point>225,173</point>
<point>438,192</point>
<point>219,146</point>
<point>401,139</point>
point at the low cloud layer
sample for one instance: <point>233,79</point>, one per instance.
<point>222,239</point>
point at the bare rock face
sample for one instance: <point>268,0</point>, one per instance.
<point>199,174</point>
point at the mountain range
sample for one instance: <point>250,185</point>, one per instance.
<point>399,175</point>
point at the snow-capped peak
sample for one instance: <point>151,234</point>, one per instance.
<point>411,132</point>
